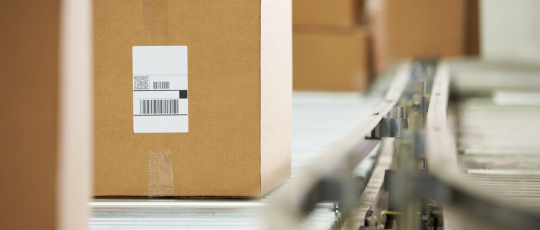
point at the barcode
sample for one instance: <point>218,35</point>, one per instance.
<point>140,82</point>
<point>161,85</point>
<point>159,107</point>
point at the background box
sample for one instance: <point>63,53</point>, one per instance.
<point>416,28</point>
<point>331,60</point>
<point>331,51</point>
<point>327,12</point>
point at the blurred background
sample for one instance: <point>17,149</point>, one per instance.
<point>356,40</point>
<point>345,55</point>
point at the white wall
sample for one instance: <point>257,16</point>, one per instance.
<point>510,30</point>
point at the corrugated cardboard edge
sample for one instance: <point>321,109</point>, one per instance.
<point>75,115</point>
<point>276,92</point>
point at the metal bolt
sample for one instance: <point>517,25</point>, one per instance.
<point>400,112</point>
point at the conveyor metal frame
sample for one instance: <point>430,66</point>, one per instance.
<point>444,182</point>
<point>460,196</point>
<point>299,197</point>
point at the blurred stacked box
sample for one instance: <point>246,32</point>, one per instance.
<point>326,57</point>
<point>420,28</point>
<point>330,46</point>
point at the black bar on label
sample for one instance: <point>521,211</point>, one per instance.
<point>148,115</point>
<point>183,94</point>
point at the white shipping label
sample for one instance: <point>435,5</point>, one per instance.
<point>160,84</point>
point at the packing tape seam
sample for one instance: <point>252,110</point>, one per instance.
<point>160,173</point>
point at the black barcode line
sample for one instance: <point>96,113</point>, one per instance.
<point>161,85</point>
<point>159,107</point>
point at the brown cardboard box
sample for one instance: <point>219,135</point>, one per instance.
<point>330,60</point>
<point>377,19</point>
<point>472,34</point>
<point>240,91</point>
<point>45,119</point>
<point>327,12</point>
<point>416,28</point>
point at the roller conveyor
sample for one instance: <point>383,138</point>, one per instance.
<point>457,164</point>
<point>493,116</point>
<point>500,146</point>
<point>319,120</point>
<point>481,160</point>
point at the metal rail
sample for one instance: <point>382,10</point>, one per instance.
<point>329,178</point>
<point>461,197</point>
<point>358,215</point>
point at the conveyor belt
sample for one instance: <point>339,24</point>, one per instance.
<point>332,176</point>
<point>500,146</point>
<point>495,145</point>
<point>319,119</point>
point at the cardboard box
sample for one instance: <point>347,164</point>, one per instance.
<point>236,59</point>
<point>416,28</point>
<point>472,28</point>
<point>377,19</point>
<point>327,12</point>
<point>331,60</point>
<point>45,134</point>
